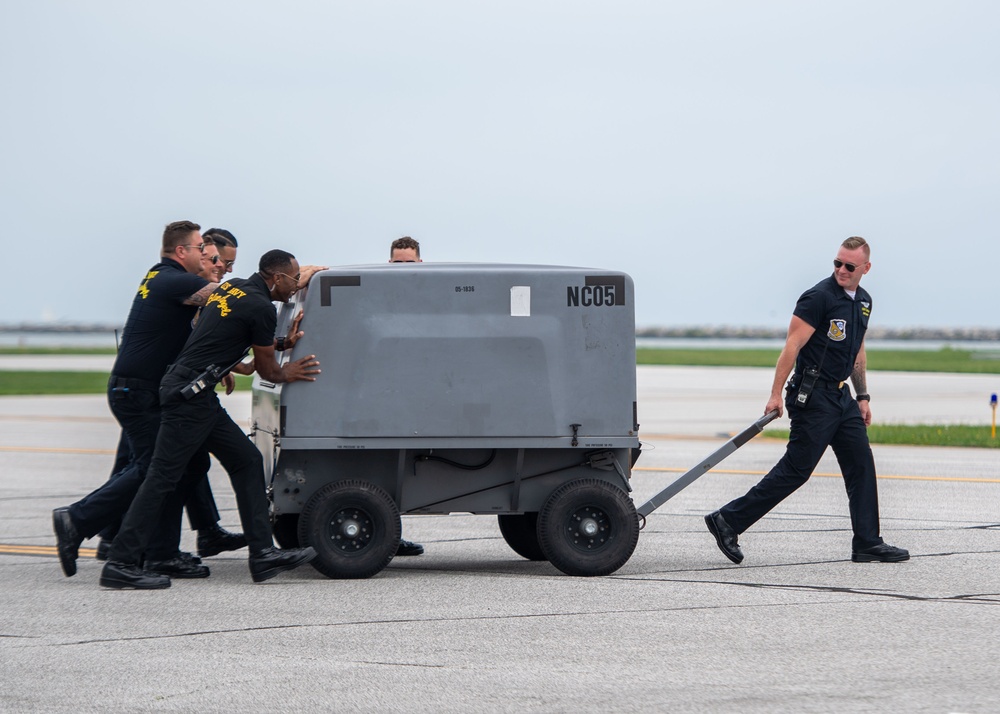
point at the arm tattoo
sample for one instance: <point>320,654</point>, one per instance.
<point>858,378</point>
<point>200,298</point>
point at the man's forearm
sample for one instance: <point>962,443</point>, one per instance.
<point>859,378</point>
<point>859,374</point>
<point>786,361</point>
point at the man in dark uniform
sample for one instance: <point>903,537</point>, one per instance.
<point>406,250</point>
<point>237,316</point>
<point>826,345</point>
<point>202,512</point>
<point>218,257</point>
<point>158,325</point>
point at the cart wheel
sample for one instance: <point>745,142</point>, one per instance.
<point>286,530</point>
<point>354,527</point>
<point>521,533</point>
<point>588,527</point>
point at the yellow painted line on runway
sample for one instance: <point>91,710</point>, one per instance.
<point>46,550</point>
<point>54,450</point>
<point>897,477</point>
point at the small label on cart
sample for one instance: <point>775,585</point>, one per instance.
<point>520,301</point>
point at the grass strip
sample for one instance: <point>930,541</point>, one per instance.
<point>943,360</point>
<point>22,383</point>
<point>921,435</point>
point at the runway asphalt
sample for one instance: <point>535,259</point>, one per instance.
<point>471,626</point>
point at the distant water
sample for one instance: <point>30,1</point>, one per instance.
<point>107,339</point>
<point>59,339</point>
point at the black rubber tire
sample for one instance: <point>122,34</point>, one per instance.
<point>354,527</point>
<point>520,530</point>
<point>588,527</point>
<point>286,530</point>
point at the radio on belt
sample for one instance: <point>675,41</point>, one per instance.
<point>496,389</point>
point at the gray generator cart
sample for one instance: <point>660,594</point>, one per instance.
<point>448,387</point>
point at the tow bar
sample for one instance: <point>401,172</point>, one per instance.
<point>713,460</point>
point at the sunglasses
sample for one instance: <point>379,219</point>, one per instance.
<point>214,260</point>
<point>851,267</point>
<point>403,261</point>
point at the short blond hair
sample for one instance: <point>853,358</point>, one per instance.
<point>855,242</point>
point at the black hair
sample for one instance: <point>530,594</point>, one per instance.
<point>275,261</point>
<point>221,237</point>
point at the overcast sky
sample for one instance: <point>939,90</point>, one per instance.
<point>718,152</point>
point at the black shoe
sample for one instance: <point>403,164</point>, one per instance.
<point>190,557</point>
<point>725,536</point>
<point>212,541</point>
<point>103,548</point>
<point>881,553</point>
<point>128,575</point>
<point>178,567</point>
<point>67,540</point>
<point>267,563</point>
<point>408,548</point>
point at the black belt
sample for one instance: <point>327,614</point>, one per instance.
<point>822,383</point>
<point>829,384</point>
<point>116,382</point>
<point>182,371</point>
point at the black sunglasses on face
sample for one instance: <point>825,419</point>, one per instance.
<point>841,264</point>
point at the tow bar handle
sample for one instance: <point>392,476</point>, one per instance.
<point>713,460</point>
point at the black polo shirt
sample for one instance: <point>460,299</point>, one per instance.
<point>238,314</point>
<point>159,322</point>
<point>840,324</point>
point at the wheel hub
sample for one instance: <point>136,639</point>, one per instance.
<point>350,530</point>
<point>589,528</point>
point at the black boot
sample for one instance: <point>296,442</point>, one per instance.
<point>215,540</point>
<point>67,540</point>
<point>267,563</point>
<point>123,576</point>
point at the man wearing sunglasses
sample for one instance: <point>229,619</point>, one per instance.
<point>825,345</point>
<point>157,326</point>
<point>200,505</point>
<point>239,315</point>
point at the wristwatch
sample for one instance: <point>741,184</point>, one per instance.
<point>864,397</point>
<point>279,344</point>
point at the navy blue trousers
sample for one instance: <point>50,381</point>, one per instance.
<point>186,427</point>
<point>200,504</point>
<point>831,418</point>
<point>137,409</point>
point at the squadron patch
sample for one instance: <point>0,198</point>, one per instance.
<point>838,330</point>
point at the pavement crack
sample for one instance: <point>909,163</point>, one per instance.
<point>985,598</point>
<point>403,664</point>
